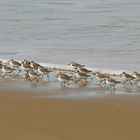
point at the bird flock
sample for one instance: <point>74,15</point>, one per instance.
<point>78,74</point>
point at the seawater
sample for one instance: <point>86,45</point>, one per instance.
<point>101,34</point>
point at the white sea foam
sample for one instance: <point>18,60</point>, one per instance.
<point>94,69</point>
<point>68,68</point>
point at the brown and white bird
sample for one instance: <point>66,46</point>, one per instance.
<point>43,71</point>
<point>25,67</point>
<point>137,76</point>
<point>111,82</point>
<point>84,70</point>
<point>64,79</point>
<point>80,75</point>
<point>14,64</point>
<point>34,65</point>
<point>127,77</point>
<point>7,70</point>
<point>81,82</point>
<point>74,65</point>
<point>33,75</point>
<point>100,77</point>
<point>26,76</point>
<point>26,62</point>
<point>1,64</point>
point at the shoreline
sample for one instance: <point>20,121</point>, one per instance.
<point>67,68</point>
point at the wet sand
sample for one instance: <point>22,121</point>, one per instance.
<point>25,116</point>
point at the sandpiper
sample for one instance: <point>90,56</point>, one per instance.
<point>80,75</point>
<point>4,62</point>
<point>33,75</point>
<point>127,77</point>
<point>26,76</point>
<point>43,71</point>
<point>7,70</point>
<point>100,77</point>
<point>137,76</point>
<point>81,82</point>
<point>34,65</point>
<point>26,62</point>
<point>1,65</point>
<point>64,79</point>
<point>84,70</point>
<point>25,67</point>
<point>14,64</point>
<point>74,65</point>
<point>111,82</point>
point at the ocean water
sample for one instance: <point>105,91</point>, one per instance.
<point>101,34</point>
<point>98,33</point>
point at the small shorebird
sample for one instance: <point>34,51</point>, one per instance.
<point>7,70</point>
<point>75,65</point>
<point>14,64</point>
<point>26,76</point>
<point>34,65</point>
<point>26,62</point>
<point>81,82</point>
<point>1,65</point>
<point>80,75</point>
<point>100,77</point>
<point>127,77</point>
<point>111,82</point>
<point>64,79</point>
<point>43,71</point>
<point>25,67</point>
<point>4,62</point>
<point>84,70</point>
<point>137,76</point>
<point>33,75</point>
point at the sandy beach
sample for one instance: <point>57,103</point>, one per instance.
<point>25,116</point>
<point>45,94</point>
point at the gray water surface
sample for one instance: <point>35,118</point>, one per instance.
<point>98,33</point>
